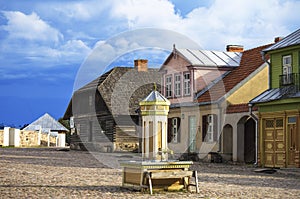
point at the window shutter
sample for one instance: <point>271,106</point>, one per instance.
<point>178,130</point>
<point>215,127</point>
<point>170,136</point>
<point>204,127</point>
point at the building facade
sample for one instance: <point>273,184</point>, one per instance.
<point>216,118</point>
<point>279,106</point>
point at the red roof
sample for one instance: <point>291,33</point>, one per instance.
<point>239,108</point>
<point>251,60</point>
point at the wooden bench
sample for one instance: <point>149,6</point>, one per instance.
<point>151,175</point>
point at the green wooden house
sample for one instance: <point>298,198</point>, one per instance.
<point>279,106</point>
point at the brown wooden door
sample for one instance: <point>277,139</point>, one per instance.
<point>292,144</point>
<point>273,143</point>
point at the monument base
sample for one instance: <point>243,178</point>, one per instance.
<point>156,175</point>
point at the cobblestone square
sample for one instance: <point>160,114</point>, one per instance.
<point>51,173</point>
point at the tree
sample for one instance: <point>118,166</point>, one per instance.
<point>66,123</point>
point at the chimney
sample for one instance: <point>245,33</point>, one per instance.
<point>277,39</point>
<point>141,65</point>
<point>234,48</point>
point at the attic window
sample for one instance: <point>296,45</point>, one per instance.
<point>187,84</point>
<point>169,86</point>
<point>177,85</point>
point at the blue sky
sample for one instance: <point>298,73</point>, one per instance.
<point>43,44</point>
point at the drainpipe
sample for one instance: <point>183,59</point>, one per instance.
<point>256,132</point>
<point>219,128</point>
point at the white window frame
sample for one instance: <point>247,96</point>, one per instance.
<point>287,69</point>
<point>177,85</point>
<point>186,84</point>
<point>210,128</point>
<point>169,86</point>
<point>175,130</point>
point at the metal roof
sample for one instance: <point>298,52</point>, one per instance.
<point>290,40</point>
<point>211,58</point>
<point>156,96</point>
<point>46,122</point>
<point>275,94</point>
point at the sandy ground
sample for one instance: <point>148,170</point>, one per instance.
<point>50,173</point>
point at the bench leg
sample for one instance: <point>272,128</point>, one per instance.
<point>150,184</point>
<point>196,181</point>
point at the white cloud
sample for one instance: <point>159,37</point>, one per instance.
<point>77,10</point>
<point>30,27</point>
<point>249,23</point>
<point>143,13</point>
<point>75,48</point>
<point>35,41</point>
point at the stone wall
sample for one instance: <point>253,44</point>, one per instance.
<point>1,137</point>
<point>28,138</point>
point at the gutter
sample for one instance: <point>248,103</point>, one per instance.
<point>256,132</point>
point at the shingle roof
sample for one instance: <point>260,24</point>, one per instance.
<point>125,87</point>
<point>250,61</point>
<point>211,58</point>
<point>290,40</point>
<point>121,88</point>
<point>46,122</point>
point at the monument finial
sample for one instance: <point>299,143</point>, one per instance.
<point>154,86</point>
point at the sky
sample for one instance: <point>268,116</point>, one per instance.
<point>45,45</point>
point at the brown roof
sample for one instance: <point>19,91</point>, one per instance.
<point>251,60</point>
<point>238,108</point>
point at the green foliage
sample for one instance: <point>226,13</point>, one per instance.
<point>66,123</point>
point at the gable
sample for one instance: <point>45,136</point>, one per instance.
<point>46,122</point>
<point>250,87</point>
<point>175,63</point>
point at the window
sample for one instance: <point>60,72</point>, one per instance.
<point>174,130</point>
<point>177,85</point>
<point>169,86</point>
<point>186,84</point>
<point>292,120</point>
<point>209,128</point>
<point>287,69</point>
<point>90,100</point>
<point>90,138</point>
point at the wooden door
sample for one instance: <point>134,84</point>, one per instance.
<point>292,144</point>
<point>273,143</point>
